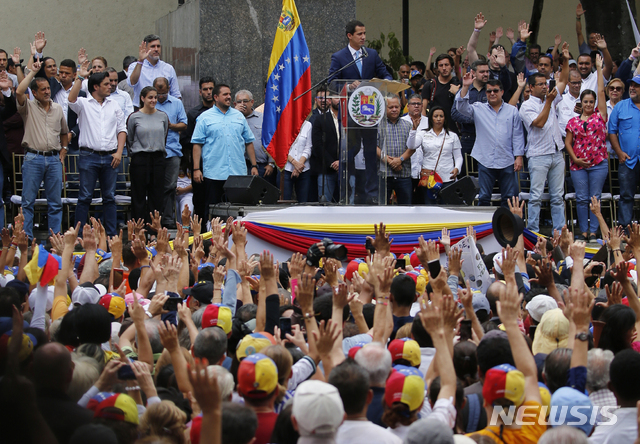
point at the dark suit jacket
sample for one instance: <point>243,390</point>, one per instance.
<point>72,123</point>
<point>372,66</point>
<point>6,111</point>
<point>323,124</point>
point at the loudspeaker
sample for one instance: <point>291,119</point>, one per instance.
<point>250,190</point>
<point>461,192</point>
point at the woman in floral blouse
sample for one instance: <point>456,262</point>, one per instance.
<point>586,145</point>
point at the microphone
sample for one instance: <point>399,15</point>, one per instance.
<point>364,52</point>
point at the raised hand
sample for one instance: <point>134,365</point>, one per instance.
<point>565,51</point>
<point>84,70</point>
<point>522,82</point>
<point>614,295</point>
<point>445,238</point>
<point>36,65</point>
<point>601,42</point>
<point>143,52</point>
<point>82,56</point>
<point>467,79</point>
<point>516,206</point>
<point>432,51</point>
<point>381,243</point>
<point>325,337</point>
<point>155,224</point>
<point>16,56</point>
<point>196,225</point>
<point>581,306</point>
<point>471,232</point>
<point>557,40</point>
<point>205,387</point>
<point>510,34</point>
<point>39,41</point>
<point>479,21</point>
<point>498,33</point>
<point>460,51</point>
<point>599,61</point>
<point>455,264</point>
<point>620,274</point>
<point>524,31</point>
<point>492,38</point>
<point>579,10</point>
<point>304,292</point>
<point>341,296</point>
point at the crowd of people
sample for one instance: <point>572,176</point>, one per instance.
<point>524,115</point>
<point>122,339</point>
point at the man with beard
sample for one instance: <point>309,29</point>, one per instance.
<point>221,135</point>
<point>442,90</point>
<point>149,67</point>
<point>206,95</point>
<point>624,132</point>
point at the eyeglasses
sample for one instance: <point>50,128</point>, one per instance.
<point>616,88</point>
<point>244,101</point>
<point>415,103</point>
<point>493,91</point>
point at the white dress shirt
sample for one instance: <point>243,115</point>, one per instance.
<point>62,99</point>
<point>99,124</point>
<point>565,111</point>
<point>416,157</point>
<point>124,100</point>
<point>301,147</point>
<point>545,140</point>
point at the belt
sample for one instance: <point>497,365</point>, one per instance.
<point>99,153</point>
<point>42,153</point>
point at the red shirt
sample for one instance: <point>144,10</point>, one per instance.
<point>589,139</point>
<point>266,424</point>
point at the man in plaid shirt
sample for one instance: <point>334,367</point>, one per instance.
<point>396,144</point>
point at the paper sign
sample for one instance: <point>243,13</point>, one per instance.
<point>473,267</point>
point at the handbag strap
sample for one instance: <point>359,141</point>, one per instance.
<point>441,147</point>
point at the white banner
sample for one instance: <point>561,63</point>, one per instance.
<point>473,267</point>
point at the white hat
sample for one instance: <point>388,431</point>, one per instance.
<point>539,305</point>
<point>318,409</point>
<point>32,297</point>
<point>85,293</point>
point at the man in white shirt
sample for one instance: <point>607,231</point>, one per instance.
<point>626,387</point>
<point>66,75</point>
<point>544,150</point>
<point>352,382</point>
<point>121,97</point>
<point>415,111</point>
<point>102,136</point>
<point>585,66</point>
<point>149,67</point>
<point>565,108</point>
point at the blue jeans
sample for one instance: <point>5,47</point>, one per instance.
<point>588,182</point>
<point>402,187</point>
<point>301,183</point>
<point>330,182</point>
<point>628,179</point>
<point>94,167</point>
<point>549,167</point>
<point>507,183</point>
<point>35,169</point>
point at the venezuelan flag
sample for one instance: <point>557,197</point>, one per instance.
<point>289,76</point>
<point>43,266</point>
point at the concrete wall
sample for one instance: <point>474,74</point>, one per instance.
<point>112,28</point>
<point>447,24</point>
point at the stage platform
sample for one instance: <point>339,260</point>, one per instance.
<point>294,228</point>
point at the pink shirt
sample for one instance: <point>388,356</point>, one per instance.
<point>589,139</point>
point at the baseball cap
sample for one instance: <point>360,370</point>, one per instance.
<point>216,315</point>
<point>503,381</point>
<point>429,430</point>
<point>415,73</point>
<point>128,298</point>
<point>405,385</point>
<point>545,396</point>
<point>539,305</point>
<point>26,348</point>
<point>118,406</point>
<point>405,349</point>
<point>636,79</point>
<point>253,343</point>
<point>480,302</point>
<point>114,303</point>
<point>551,333</point>
<point>318,408</point>
<point>257,376</point>
<point>572,62</point>
<point>202,291</point>
<point>85,293</point>
<point>566,398</point>
<point>22,287</point>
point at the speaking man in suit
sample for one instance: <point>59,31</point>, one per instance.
<point>368,65</point>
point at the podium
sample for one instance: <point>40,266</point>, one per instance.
<point>362,106</point>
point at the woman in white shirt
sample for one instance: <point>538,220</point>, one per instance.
<point>296,171</point>
<point>432,141</point>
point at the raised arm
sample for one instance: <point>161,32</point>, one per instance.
<point>608,61</point>
<point>579,13</point>
<point>24,85</point>
<point>143,53</point>
<point>478,24</point>
<point>602,99</point>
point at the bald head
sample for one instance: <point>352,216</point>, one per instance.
<point>52,367</point>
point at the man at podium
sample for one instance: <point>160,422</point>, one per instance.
<point>367,66</point>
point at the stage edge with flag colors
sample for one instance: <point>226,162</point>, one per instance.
<point>268,230</point>
<point>289,76</point>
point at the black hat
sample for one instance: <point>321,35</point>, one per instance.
<point>202,291</point>
<point>507,227</point>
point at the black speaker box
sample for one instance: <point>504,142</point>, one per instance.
<point>250,190</point>
<point>461,192</point>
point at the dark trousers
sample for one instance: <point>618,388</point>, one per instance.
<point>147,172</point>
<point>366,137</point>
<point>402,187</point>
<point>213,192</point>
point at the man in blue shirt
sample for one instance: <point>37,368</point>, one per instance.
<point>499,145</point>
<point>221,136</point>
<point>624,134</point>
<point>174,109</point>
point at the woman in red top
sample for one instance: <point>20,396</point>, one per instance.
<point>586,145</point>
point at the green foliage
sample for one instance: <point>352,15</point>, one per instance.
<point>395,58</point>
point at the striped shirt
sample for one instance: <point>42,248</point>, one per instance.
<point>393,140</point>
<point>545,140</point>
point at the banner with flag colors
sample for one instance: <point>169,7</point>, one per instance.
<point>43,266</point>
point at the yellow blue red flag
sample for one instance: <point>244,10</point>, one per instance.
<point>43,266</point>
<point>289,76</point>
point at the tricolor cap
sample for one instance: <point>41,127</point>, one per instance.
<point>405,350</point>
<point>114,303</point>
<point>216,315</point>
<point>253,343</point>
<point>545,395</point>
<point>414,260</point>
<point>419,279</point>
<point>102,255</point>
<point>26,348</point>
<point>503,381</point>
<point>356,265</point>
<point>405,385</point>
<point>355,349</point>
<point>415,73</point>
<point>118,406</point>
<point>257,376</point>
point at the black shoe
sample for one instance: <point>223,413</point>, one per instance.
<point>593,238</point>
<point>579,237</point>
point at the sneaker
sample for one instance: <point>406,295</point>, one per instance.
<point>593,238</point>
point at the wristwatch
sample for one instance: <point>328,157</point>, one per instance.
<point>401,158</point>
<point>254,166</point>
<point>583,336</point>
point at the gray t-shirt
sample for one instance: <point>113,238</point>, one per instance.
<point>147,133</point>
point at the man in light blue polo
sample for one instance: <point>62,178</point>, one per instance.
<point>174,109</point>
<point>624,134</point>
<point>221,137</point>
